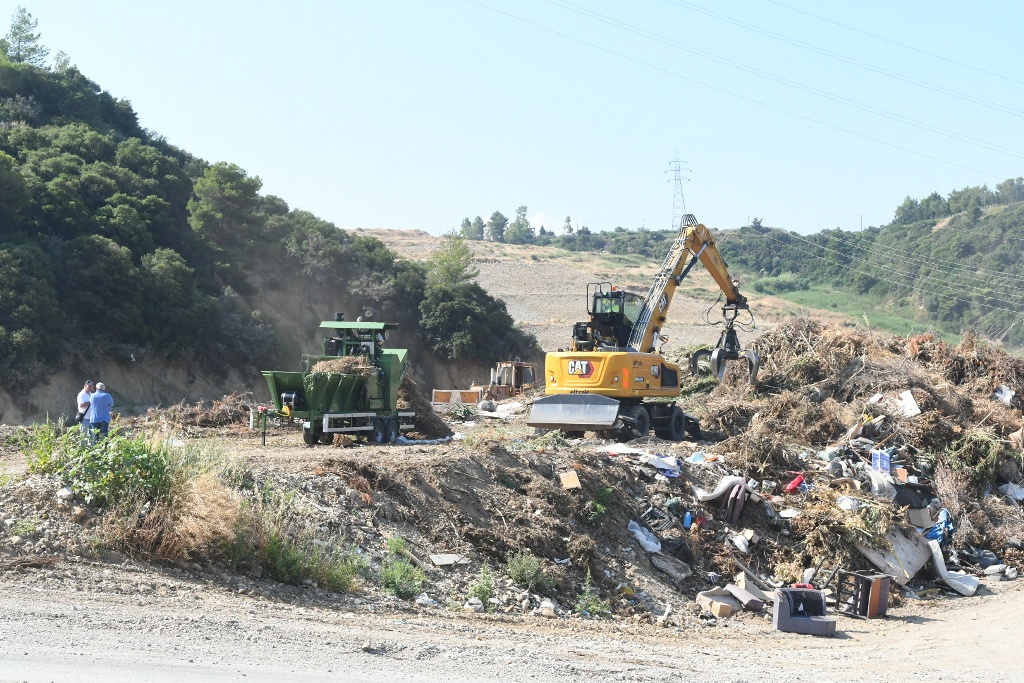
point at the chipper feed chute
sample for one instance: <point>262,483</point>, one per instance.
<point>574,412</point>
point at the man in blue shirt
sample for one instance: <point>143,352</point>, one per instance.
<point>101,402</point>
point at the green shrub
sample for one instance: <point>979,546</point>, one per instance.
<point>599,505</point>
<point>589,601</point>
<point>524,569</point>
<point>398,545</point>
<point>115,470</point>
<point>284,559</point>
<point>401,578</point>
<point>784,282</point>
<point>483,587</point>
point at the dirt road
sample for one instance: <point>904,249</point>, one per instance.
<point>113,623</point>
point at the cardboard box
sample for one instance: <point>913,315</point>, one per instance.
<point>920,518</point>
<point>570,480</point>
<point>880,461</point>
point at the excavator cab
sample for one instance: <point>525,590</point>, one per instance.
<point>612,313</point>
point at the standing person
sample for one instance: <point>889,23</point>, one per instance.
<point>102,402</point>
<point>83,406</point>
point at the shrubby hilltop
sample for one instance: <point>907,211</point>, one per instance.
<point>116,243</point>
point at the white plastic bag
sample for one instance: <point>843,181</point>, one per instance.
<point>647,540</point>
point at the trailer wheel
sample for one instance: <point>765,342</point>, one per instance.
<point>309,436</point>
<point>376,434</point>
<point>391,431</point>
<point>326,438</point>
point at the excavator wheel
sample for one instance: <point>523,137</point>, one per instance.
<point>573,435</point>
<point>641,422</point>
<point>675,430</point>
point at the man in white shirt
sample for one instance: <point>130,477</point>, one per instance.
<point>85,407</point>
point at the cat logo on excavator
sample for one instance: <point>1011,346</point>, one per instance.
<point>581,368</point>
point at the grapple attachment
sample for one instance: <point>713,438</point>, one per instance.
<point>574,412</point>
<point>728,348</point>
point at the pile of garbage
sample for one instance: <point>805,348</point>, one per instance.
<point>857,455</point>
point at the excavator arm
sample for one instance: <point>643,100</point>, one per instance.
<point>693,243</point>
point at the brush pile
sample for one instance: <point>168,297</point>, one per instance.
<point>344,365</point>
<point>839,407</point>
<point>232,409</point>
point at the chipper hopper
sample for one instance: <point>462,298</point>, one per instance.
<point>351,389</point>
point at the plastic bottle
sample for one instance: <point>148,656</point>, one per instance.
<point>687,520</point>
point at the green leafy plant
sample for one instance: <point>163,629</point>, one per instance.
<point>598,506</point>
<point>524,569</point>
<point>24,527</point>
<point>402,579</point>
<point>398,545</point>
<point>589,600</point>
<point>483,587</point>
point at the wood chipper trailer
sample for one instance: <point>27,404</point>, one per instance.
<point>351,389</point>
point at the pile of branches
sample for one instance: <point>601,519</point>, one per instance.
<point>231,409</point>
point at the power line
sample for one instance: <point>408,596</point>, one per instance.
<point>853,62</point>
<point>883,278</point>
<point>924,261</point>
<point>728,92</point>
<point>896,43</point>
<point>889,266</point>
<point>824,94</point>
<point>973,16</point>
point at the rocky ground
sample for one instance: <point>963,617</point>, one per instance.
<point>121,621</point>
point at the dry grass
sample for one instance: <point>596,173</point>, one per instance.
<point>200,520</point>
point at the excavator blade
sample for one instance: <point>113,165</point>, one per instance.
<point>574,412</point>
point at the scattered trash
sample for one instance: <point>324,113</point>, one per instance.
<point>958,581</point>
<point>908,404</point>
<point>648,541</point>
<point>425,600</point>
<point>719,602</point>
<point>566,561</point>
<point>667,465</point>
<point>799,610</point>
<point>847,503</point>
<point>1012,491</point>
<point>570,480</point>
<point>1004,395</point>
<point>448,559</point>
<point>697,457</point>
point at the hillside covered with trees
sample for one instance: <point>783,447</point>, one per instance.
<point>114,241</point>
<point>949,262</point>
<point>953,262</point>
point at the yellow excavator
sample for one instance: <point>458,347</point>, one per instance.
<point>612,376</point>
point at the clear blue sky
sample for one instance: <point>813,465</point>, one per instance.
<point>415,114</point>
